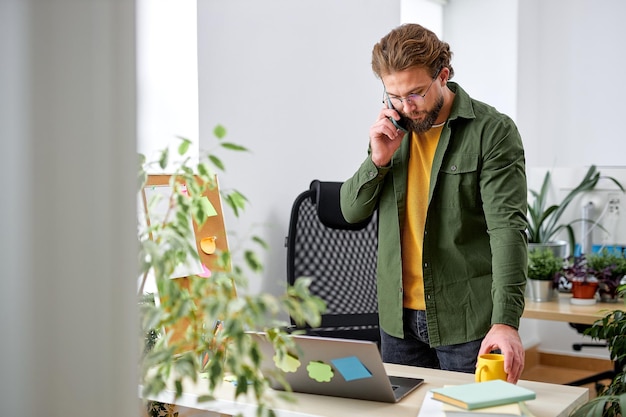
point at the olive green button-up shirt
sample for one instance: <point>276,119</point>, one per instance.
<point>475,245</point>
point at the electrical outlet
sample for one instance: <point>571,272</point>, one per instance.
<point>614,203</point>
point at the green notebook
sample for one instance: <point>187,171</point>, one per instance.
<point>482,394</point>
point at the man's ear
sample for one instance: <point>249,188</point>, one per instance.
<point>444,74</point>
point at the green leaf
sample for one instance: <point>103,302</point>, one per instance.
<point>204,170</point>
<point>233,146</point>
<point>260,242</point>
<point>164,158</point>
<point>184,146</point>
<point>217,162</point>
<point>219,131</point>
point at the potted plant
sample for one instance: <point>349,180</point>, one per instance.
<point>609,266</point>
<point>584,283</point>
<point>610,402</point>
<point>214,315</point>
<point>543,266</point>
<point>545,221</point>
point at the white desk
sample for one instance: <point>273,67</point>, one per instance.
<point>552,400</point>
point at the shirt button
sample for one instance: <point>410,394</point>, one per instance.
<point>453,168</point>
<point>425,264</point>
<point>372,174</point>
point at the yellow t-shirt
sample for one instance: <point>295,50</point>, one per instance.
<point>422,151</point>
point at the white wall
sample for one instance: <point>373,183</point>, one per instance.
<point>167,77</point>
<point>428,13</point>
<point>570,96</point>
<point>68,258</point>
<point>292,81</point>
<point>483,37</point>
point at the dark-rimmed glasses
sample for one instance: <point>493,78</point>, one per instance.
<point>413,98</point>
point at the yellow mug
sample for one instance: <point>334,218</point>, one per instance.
<point>490,366</point>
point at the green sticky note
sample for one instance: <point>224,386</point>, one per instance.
<point>207,207</point>
<point>288,363</point>
<point>320,371</point>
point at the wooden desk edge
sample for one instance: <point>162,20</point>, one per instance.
<point>562,310</point>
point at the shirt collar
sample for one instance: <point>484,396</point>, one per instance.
<point>462,106</point>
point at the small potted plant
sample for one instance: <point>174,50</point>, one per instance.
<point>584,282</point>
<point>609,266</point>
<point>543,267</point>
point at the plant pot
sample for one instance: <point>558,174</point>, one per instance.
<point>540,290</point>
<point>609,298</point>
<point>607,295</point>
<point>559,248</point>
<point>584,292</point>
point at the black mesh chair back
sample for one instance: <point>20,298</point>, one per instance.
<point>339,258</point>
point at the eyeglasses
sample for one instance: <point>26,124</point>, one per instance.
<point>413,98</point>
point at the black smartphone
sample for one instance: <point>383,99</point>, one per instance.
<point>399,124</point>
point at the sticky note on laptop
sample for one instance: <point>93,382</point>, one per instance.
<point>351,368</point>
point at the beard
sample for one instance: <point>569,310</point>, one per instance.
<point>430,116</point>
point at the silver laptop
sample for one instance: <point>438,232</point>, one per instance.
<point>335,367</point>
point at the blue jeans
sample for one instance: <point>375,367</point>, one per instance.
<point>415,350</point>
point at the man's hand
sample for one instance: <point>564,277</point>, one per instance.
<point>385,138</point>
<point>506,338</point>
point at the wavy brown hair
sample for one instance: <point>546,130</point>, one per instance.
<point>411,45</point>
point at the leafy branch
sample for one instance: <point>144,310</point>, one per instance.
<point>199,326</point>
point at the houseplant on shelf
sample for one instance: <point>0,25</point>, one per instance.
<point>214,317</point>
<point>584,283</point>
<point>545,221</point>
<point>543,266</point>
<point>609,266</point>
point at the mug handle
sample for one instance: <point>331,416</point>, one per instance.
<point>478,373</point>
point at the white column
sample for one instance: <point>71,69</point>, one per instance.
<point>68,252</point>
<point>167,67</point>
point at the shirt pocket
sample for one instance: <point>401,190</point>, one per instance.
<point>457,184</point>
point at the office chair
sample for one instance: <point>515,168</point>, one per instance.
<point>339,258</point>
<point>600,376</point>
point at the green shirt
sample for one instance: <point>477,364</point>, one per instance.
<point>475,245</point>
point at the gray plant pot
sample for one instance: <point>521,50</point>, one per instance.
<point>559,247</point>
<point>540,290</point>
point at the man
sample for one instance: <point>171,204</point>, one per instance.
<point>451,195</point>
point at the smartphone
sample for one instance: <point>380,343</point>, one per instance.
<point>399,124</point>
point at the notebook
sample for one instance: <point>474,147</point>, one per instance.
<point>433,408</point>
<point>335,367</point>
<point>483,394</point>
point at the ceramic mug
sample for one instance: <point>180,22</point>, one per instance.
<point>490,366</point>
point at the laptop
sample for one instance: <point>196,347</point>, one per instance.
<point>335,367</point>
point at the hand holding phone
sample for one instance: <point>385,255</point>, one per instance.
<point>399,124</point>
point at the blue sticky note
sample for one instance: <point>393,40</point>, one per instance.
<point>351,368</point>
